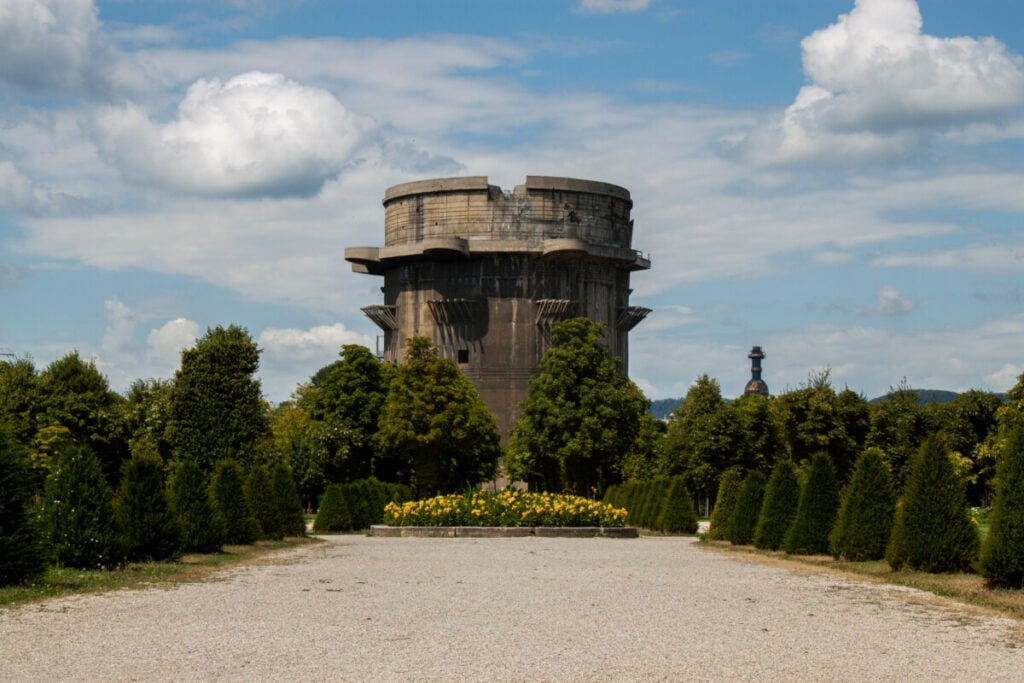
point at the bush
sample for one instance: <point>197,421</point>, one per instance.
<point>932,531</point>
<point>149,530</point>
<point>259,491</point>
<point>725,502</point>
<point>358,505</point>
<point>22,557</point>
<point>78,508</point>
<point>202,527</point>
<point>1002,556</point>
<point>866,514</point>
<point>287,501</point>
<point>816,512</point>
<point>333,514</point>
<point>743,521</point>
<point>505,508</point>
<point>781,499</point>
<point>677,514</point>
<point>228,490</point>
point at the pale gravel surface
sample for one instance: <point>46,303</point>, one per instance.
<point>360,609</point>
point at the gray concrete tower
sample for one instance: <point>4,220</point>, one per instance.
<point>485,273</point>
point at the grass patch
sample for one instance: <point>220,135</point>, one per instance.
<point>63,581</point>
<point>968,589</point>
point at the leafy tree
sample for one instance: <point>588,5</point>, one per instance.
<point>333,514</point>
<point>898,427</point>
<point>78,508</point>
<point>580,415</point>
<point>1002,555</point>
<point>20,400</point>
<point>259,491</point>
<point>435,430</point>
<point>932,531</point>
<point>781,499</point>
<point>76,396</point>
<point>705,438</point>
<point>227,488</point>
<point>866,513</point>
<point>347,398</point>
<point>145,415</point>
<point>148,527</point>
<point>21,552</point>
<point>762,431</point>
<point>968,421</point>
<point>725,504</point>
<point>286,500</point>
<point>640,462</point>
<point>816,511</point>
<point>301,441</point>
<point>743,521</point>
<point>202,527</point>
<point>677,514</point>
<point>216,409</point>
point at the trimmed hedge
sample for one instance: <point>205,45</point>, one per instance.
<point>816,512</point>
<point>333,514</point>
<point>148,527</point>
<point>866,515</point>
<point>677,513</point>
<point>781,499</point>
<point>744,517</point>
<point>21,552</point>
<point>725,502</point>
<point>228,490</point>
<point>1002,556</point>
<point>259,490</point>
<point>202,527</point>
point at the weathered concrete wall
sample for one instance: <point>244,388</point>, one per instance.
<point>484,273</point>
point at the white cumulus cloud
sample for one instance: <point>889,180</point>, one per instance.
<point>257,134</point>
<point>892,302</point>
<point>879,86</point>
<point>165,343</point>
<point>611,6</point>
<point>323,341</point>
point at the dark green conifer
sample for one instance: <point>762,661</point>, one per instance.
<point>816,512</point>
<point>259,491</point>
<point>21,551</point>
<point>781,498</point>
<point>932,531</point>
<point>287,501</point>
<point>357,505</point>
<point>743,521</point>
<point>677,514</point>
<point>149,529</point>
<point>202,527</point>
<point>866,515</point>
<point>333,514</point>
<point>228,490</point>
<point>1002,555</point>
<point>78,508</point>
<point>725,503</point>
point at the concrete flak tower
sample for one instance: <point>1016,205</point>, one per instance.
<point>485,273</point>
<point>756,385</point>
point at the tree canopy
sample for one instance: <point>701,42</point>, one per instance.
<point>581,416</point>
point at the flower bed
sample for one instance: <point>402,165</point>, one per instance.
<point>507,508</point>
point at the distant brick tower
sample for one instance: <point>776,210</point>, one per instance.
<point>756,385</point>
<point>485,273</point>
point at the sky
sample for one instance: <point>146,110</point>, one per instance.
<point>838,181</point>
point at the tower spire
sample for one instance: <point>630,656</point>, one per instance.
<point>756,385</point>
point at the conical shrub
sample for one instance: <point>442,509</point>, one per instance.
<point>677,514</point>
<point>1002,555</point>
<point>725,502</point>
<point>22,556</point>
<point>79,512</point>
<point>228,490</point>
<point>358,506</point>
<point>149,529</point>
<point>743,521</point>
<point>781,498</point>
<point>259,491</point>
<point>866,514</point>
<point>287,501</point>
<point>932,531</point>
<point>202,527</point>
<point>333,514</point>
<point>816,512</point>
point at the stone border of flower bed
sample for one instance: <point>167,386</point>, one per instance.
<point>386,531</point>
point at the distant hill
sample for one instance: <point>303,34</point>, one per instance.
<point>663,407</point>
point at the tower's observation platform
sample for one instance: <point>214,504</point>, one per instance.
<point>485,273</point>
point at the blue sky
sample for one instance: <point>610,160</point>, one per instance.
<point>838,181</point>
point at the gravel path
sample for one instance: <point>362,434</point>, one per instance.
<point>359,608</point>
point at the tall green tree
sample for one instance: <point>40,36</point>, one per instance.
<point>898,427</point>
<point>435,431</point>
<point>866,513</point>
<point>580,416</point>
<point>781,498</point>
<point>309,447</point>
<point>347,397</point>
<point>216,408</point>
<point>21,551</point>
<point>148,527</point>
<point>762,431</point>
<point>968,421</point>
<point>932,531</point>
<point>1002,555</point>
<point>202,526</point>
<point>145,414</point>
<point>20,400</point>
<point>78,509</point>
<point>816,511</point>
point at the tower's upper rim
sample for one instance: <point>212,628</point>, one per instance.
<point>481,184</point>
